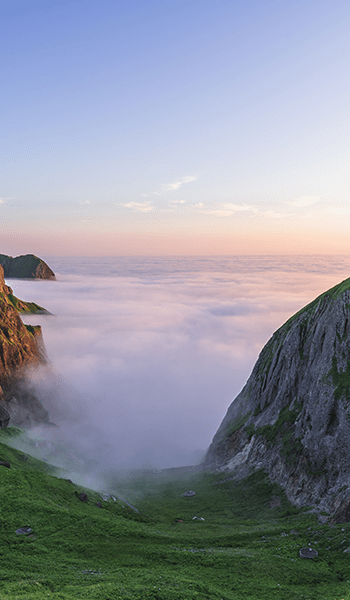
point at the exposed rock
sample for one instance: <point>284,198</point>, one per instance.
<point>26,266</point>
<point>21,346</point>
<point>189,493</point>
<point>4,463</point>
<point>292,418</point>
<point>83,497</point>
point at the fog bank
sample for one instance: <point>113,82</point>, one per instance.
<point>147,362</point>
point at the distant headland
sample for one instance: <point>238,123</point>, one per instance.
<point>27,266</point>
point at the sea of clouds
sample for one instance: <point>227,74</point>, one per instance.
<point>149,353</point>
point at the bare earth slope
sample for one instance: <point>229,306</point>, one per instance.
<point>21,346</point>
<point>292,418</point>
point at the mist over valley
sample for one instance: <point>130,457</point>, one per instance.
<point>149,353</point>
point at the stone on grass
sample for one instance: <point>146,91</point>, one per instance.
<point>23,530</point>
<point>308,553</point>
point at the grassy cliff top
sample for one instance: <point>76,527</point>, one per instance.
<point>26,266</point>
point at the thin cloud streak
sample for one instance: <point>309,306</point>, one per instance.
<point>168,187</point>
<point>171,187</point>
<point>143,207</point>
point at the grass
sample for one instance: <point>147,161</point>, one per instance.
<point>243,549</point>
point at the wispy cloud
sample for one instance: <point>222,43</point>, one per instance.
<point>225,209</point>
<point>143,207</point>
<point>240,207</point>
<point>168,187</point>
<point>171,187</point>
<point>85,202</point>
<point>304,201</point>
<point>3,200</point>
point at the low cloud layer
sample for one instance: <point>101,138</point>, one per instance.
<point>147,365</point>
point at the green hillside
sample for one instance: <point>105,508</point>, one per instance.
<point>247,546</point>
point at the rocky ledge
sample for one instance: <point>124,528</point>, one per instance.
<point>292,418</point>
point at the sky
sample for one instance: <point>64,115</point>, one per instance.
<point>154,359</point>
<point>175,127</point>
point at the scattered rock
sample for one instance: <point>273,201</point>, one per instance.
<point>83,497</point>
<point>189,493</point>
<point>198,519</point>
<point>294,532</point>
<point>23,530</point>
<point>98,504</point>
<point>4,463</point>
<point>347,550</point>
<point>308,553</point>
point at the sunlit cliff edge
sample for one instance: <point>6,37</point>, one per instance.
<point>21,347</point>
<point>292,418</point>
<point>27,266</point>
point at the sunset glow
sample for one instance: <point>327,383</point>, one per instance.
<point>174,128</point>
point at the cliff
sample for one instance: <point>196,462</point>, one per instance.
<point>26,266</point>
<point>292,418</point>
<point>21,346</point>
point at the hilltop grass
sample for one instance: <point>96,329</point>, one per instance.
<point>243,549</point>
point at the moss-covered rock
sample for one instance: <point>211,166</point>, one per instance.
<point>27,266</point>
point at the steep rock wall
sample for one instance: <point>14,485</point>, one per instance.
<point>292,418</point>
<point>21,346</point>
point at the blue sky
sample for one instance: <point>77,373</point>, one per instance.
<point>174,127</point>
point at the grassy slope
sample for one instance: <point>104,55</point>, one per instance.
<point>243,549</point>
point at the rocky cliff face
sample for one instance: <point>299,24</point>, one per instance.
<point>292,418</point>
<point>21,346</point>
<point>26,266</point>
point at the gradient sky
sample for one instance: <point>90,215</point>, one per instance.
<point>174,127</point>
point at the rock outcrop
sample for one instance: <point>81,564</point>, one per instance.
<point>292,418</point>
<point>27,266</point>
<point>21,346</point>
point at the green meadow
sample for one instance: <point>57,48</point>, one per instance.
<point>243,544</point>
